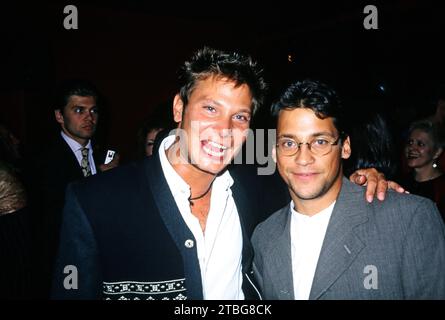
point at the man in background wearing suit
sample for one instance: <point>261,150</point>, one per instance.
<point>329,243</point>
<point>68,158</point>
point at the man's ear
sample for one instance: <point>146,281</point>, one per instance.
<point>346,149</point>
<point>178,108</point>
<point>59,116</point>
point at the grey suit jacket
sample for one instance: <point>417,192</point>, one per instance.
<point>393,249</point>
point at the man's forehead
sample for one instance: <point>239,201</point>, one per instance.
<point>221,98</point>
<point>304,122</point>
<point>219,83</point>
<point>76,100</point>
<point>303,116</point>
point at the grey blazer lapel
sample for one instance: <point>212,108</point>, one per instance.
<point>281,259</point>
<point>340,246</point>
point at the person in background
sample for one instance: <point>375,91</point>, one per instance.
<point>423,148</point>
<point>16,258</point>
<point>10,148</point>
<point>67,158</point>
<point>158,122</point>
<point>150,140</point>
<point>438,119</point>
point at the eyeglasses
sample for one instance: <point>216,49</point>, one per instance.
<point>318,146</point>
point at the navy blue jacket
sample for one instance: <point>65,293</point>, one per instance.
<point>125,236</point>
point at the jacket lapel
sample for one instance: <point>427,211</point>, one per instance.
<point>247,225</point>
<point>169,212</point>
<point>245,215</point>
<point>341,245</point>
<point>281,258</point>
<point>68,156</point>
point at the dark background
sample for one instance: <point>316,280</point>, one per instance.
<point>131,50</point>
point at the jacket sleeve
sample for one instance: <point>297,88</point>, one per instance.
<point>424,254</point>
<point>257,260</point>
<point>77,272</point>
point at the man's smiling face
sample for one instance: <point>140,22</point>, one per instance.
<point>214,123</point>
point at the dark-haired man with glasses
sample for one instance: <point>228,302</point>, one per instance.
<point>328,243</point>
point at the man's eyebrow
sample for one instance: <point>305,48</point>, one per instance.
<point>249,111</point>
<point>211,101</point>
<point>81,106</point>
<point>323,133</point>
<point>214,102</point>
<point>313,135</point>
<point>291,136</point>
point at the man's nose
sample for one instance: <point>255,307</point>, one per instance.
<point>304,156</point>
<point>224,127</point>
<point>89,116</point>
<point>225,132</point>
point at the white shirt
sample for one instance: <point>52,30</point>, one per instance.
<point>220,248</point>
<point>307,235</point>
<point>76,147</point>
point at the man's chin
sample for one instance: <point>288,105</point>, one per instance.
<point>212,168</point>
<point>307,194</point>
<point>87,135</point>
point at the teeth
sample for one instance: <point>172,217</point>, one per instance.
<point>213,153</point>
<point>211,146</point>
<point>217,145</point>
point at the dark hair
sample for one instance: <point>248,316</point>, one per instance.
<point>432,129</point>
<point>313,95</point>
<point>159,119</point>
<point>372,144</point>
<point>208,62</point>
<point>74,87</point>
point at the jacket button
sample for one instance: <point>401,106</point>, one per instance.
<point>189,243</point>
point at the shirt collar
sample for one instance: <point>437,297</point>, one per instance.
<point>73,144</point>
<point>177,185</point>
<point>322,215</point>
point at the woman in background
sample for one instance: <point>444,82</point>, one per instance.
<point>422,151</point>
